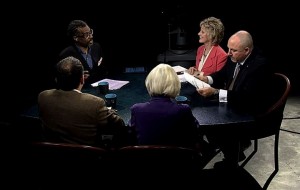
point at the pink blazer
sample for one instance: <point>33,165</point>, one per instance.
<point>215,60</point>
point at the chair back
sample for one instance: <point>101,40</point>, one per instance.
<point>159,160</point>
<point>54,151</point>
<point>280,89</point>
<point>53,156</point>
<point>269,122</point>
<point>71,165</point>
<point>158,153</point>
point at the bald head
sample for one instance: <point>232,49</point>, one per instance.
<point>243,38</point>
<point>240,46</point>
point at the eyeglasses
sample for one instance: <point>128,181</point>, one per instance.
<point>86,34</point>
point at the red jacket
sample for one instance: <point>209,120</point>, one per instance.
<point>215,60</point>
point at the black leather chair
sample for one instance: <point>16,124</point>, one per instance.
<point>160,163</point>
<point>52,164</point>
<point>268,124</point>
<point>59,152</point>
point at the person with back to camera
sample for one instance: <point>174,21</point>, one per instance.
<point>210,56</point>
<point>86,50</point>
<point>161,120</point>
<point>243,83</point>
<point>68,115</point>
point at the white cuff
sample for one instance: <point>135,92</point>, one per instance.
<point>223,95</point>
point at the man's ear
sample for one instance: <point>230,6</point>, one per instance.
<point>75,38</point>
<point>82,80</point>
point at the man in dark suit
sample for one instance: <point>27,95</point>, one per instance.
<point>243,83</point>
<point>68,115</point>
<point>86,50</point>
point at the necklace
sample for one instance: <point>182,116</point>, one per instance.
<point>206,52</point>
<point>203,58</point>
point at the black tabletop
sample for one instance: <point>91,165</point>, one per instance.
<point>133,92</point>
<point>209,112</point>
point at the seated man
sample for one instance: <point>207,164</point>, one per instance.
<point>68,115</point>
<point>84,48</point>
<point>243,83</point>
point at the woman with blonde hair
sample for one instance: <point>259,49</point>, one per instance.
<point>161,120</point>
<point>210,55</point>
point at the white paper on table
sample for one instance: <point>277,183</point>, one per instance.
<point>113,84</point>
<point>179,68</point>
<point>194,81</point>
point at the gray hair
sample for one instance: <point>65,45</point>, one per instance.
<point>69,73</point>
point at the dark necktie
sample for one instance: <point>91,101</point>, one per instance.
<point>236,72</point>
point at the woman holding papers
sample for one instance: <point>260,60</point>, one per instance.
<point>210,56</point>
<point>161,120</point>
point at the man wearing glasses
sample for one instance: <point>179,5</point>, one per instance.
<point>86,50</point>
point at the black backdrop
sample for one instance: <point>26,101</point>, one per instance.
<point>132,34</point>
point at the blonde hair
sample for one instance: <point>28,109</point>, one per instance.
<point>215,29</point>
<point>163,81</point>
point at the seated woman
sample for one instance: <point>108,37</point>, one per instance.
<point>210,55</point>
<point>161,120</point>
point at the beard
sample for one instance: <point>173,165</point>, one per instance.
<point>91,42</point>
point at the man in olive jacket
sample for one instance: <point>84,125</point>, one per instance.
<point>68,115</point>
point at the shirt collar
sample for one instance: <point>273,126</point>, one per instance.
<point>77,90</point>
<point>242,63</point>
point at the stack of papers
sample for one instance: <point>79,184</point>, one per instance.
<point>184,76</point>
<point>180,70</point>
<point>113,84</point>
<point>194,81</point>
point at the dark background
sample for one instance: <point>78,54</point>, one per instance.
<point>131,34</point>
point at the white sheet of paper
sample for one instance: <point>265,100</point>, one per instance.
<point>194,81</point>
<point>113,84</point>
<point>179,68</point>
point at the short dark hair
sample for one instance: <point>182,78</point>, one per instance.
<point>73,27</point>
<point>69,73</point>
